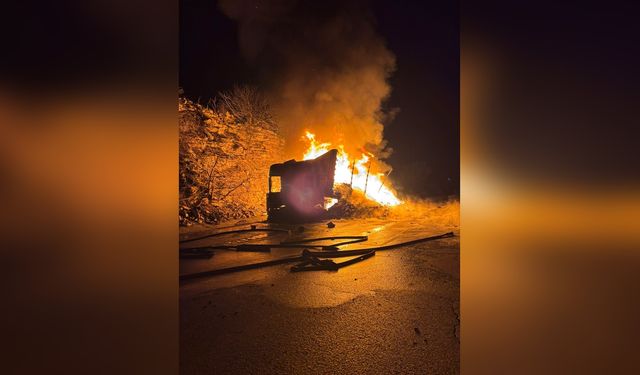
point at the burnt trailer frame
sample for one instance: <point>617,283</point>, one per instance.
<point>302,189</point>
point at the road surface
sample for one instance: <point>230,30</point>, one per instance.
<point>397,312</point>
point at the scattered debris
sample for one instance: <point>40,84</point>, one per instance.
<point>314,263</point>
<point>353,203</point>
<point>311,260</point>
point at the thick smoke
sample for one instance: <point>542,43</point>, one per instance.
<point>324,67</point>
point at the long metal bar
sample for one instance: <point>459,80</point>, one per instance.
<point>221,271</point>
<point>346,253</point>
<point>353,166</point>
<point>235,231</point>
<point>384,178</point>
<point>366,181</point>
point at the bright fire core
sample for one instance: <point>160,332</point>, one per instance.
<point>374,182</point>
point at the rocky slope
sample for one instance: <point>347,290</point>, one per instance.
<point>224,163</point>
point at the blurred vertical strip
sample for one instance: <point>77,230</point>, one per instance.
<point>550,190</point>
<point>88,160</point>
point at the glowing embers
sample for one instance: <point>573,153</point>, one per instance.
<point>356,173</point>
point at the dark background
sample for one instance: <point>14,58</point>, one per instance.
<point>565,96</point>
<point>424,37</point>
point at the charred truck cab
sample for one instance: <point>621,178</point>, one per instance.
<point>298,189</point>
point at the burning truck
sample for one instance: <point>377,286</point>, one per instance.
<point>305,190</point>
<point>301,190</point>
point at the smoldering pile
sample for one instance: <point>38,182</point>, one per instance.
<point>354,204</point>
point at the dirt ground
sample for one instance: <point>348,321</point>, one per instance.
<point>397,312</point>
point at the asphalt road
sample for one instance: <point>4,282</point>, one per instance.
<point>397,312</point>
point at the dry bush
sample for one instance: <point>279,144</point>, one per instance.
<point>247,105</point>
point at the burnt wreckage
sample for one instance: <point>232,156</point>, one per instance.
<point>298,189</point>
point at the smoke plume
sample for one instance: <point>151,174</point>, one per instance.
<point>323,65</point>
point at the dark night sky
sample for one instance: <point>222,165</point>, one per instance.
<point>423,36</point>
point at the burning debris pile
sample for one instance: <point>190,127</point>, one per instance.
<point>357,173</point>
<point>224,156</point>
<point>353,203</point>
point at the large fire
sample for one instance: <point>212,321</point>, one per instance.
<point>357,174</point>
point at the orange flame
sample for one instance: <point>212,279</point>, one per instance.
<point>374,183</point>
